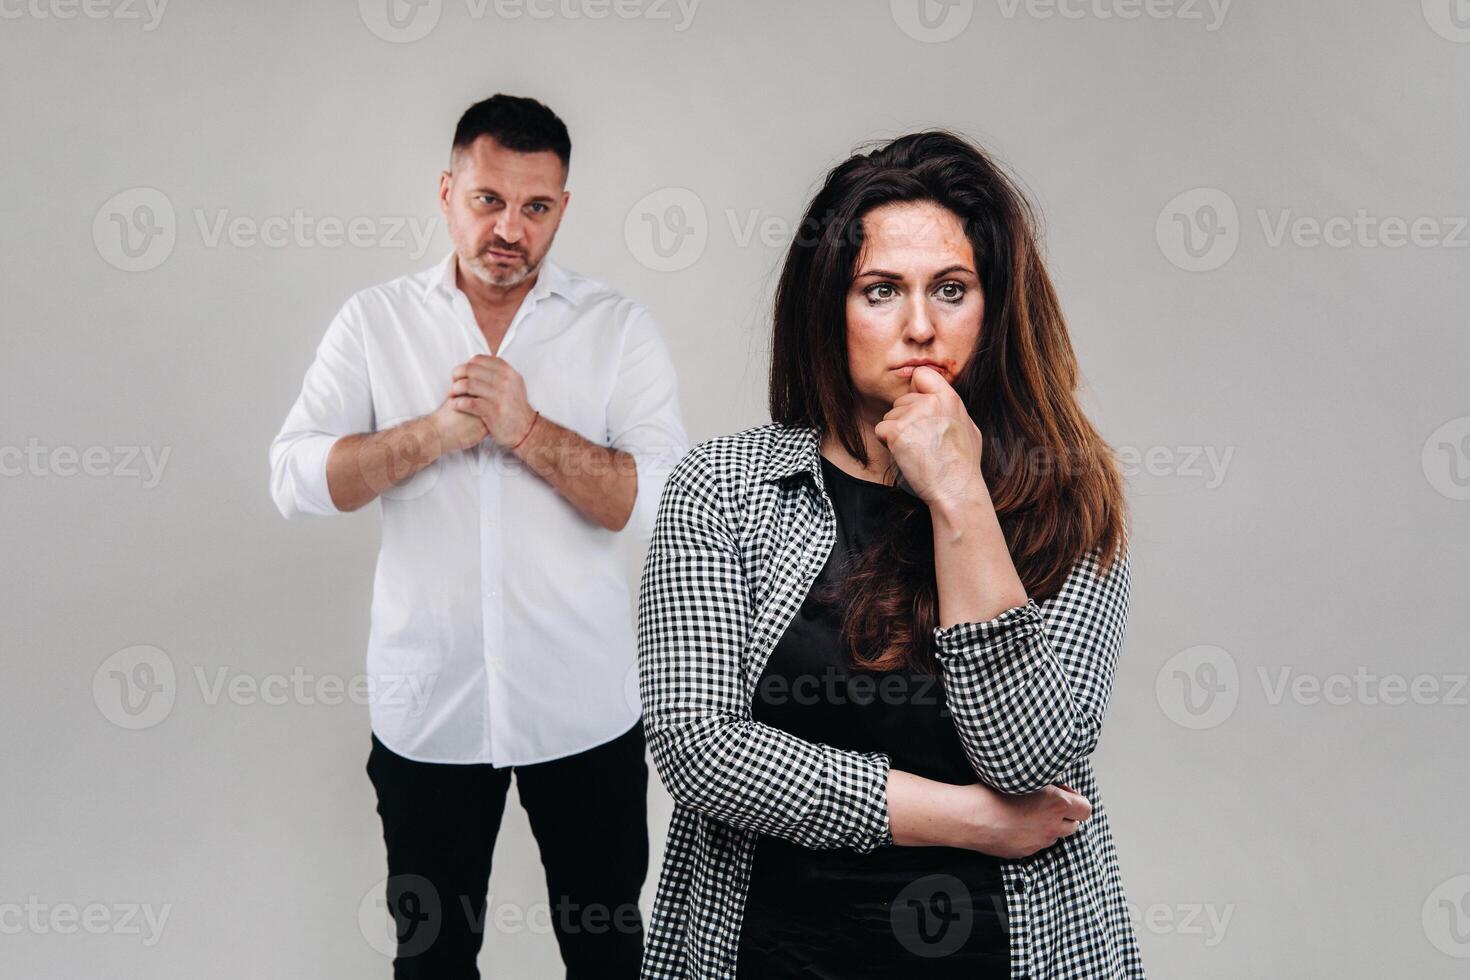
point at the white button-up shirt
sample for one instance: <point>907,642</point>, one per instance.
<point>501,627</point>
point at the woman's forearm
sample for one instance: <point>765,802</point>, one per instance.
<point>973,569</point>
<point>927,813</point>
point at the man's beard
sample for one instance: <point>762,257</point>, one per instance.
<point>501,278</point>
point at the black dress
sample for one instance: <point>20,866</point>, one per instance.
<point>896,911</point>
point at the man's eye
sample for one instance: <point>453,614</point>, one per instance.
<point>539,208</point>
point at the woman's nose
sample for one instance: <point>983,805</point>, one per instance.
<point>919,326</point>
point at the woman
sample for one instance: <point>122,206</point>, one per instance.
<point>877,636</point>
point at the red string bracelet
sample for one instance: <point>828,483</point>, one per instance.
<point>528,432</point>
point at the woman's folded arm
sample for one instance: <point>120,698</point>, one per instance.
<point>1029,688</point>
<point>694,617</point>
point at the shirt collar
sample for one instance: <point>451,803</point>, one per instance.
<point>796,449</point>
<point>551,279</point>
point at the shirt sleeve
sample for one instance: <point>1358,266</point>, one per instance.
<point>643,417</point>
<point>335,401</point>
<point>693,622</point>
<point>1029,688</point>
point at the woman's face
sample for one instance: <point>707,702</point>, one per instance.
<point>914,298</point>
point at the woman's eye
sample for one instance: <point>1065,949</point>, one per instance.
<point>951,292</point>
<point>878,292</point>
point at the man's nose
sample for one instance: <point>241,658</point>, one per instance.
<point>509,226</point>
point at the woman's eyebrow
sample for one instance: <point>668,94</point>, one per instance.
<point>948,270</point>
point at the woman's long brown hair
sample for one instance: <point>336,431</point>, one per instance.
<point>1054,482</point>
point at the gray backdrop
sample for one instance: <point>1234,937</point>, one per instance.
<point>1256,216</point>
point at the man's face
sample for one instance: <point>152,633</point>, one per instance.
<point>503,209</point>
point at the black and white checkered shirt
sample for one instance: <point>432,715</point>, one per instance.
<point>744,526</point>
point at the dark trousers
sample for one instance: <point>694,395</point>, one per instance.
<point>589,815</point>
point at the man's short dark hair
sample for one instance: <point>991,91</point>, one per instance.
<point>516,123</point>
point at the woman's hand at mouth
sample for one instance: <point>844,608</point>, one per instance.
<point>932,438</point>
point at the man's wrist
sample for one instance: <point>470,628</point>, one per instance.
<point>529,436</point>
<point>426,431</point>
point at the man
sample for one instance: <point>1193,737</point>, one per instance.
<point>513,417</point>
